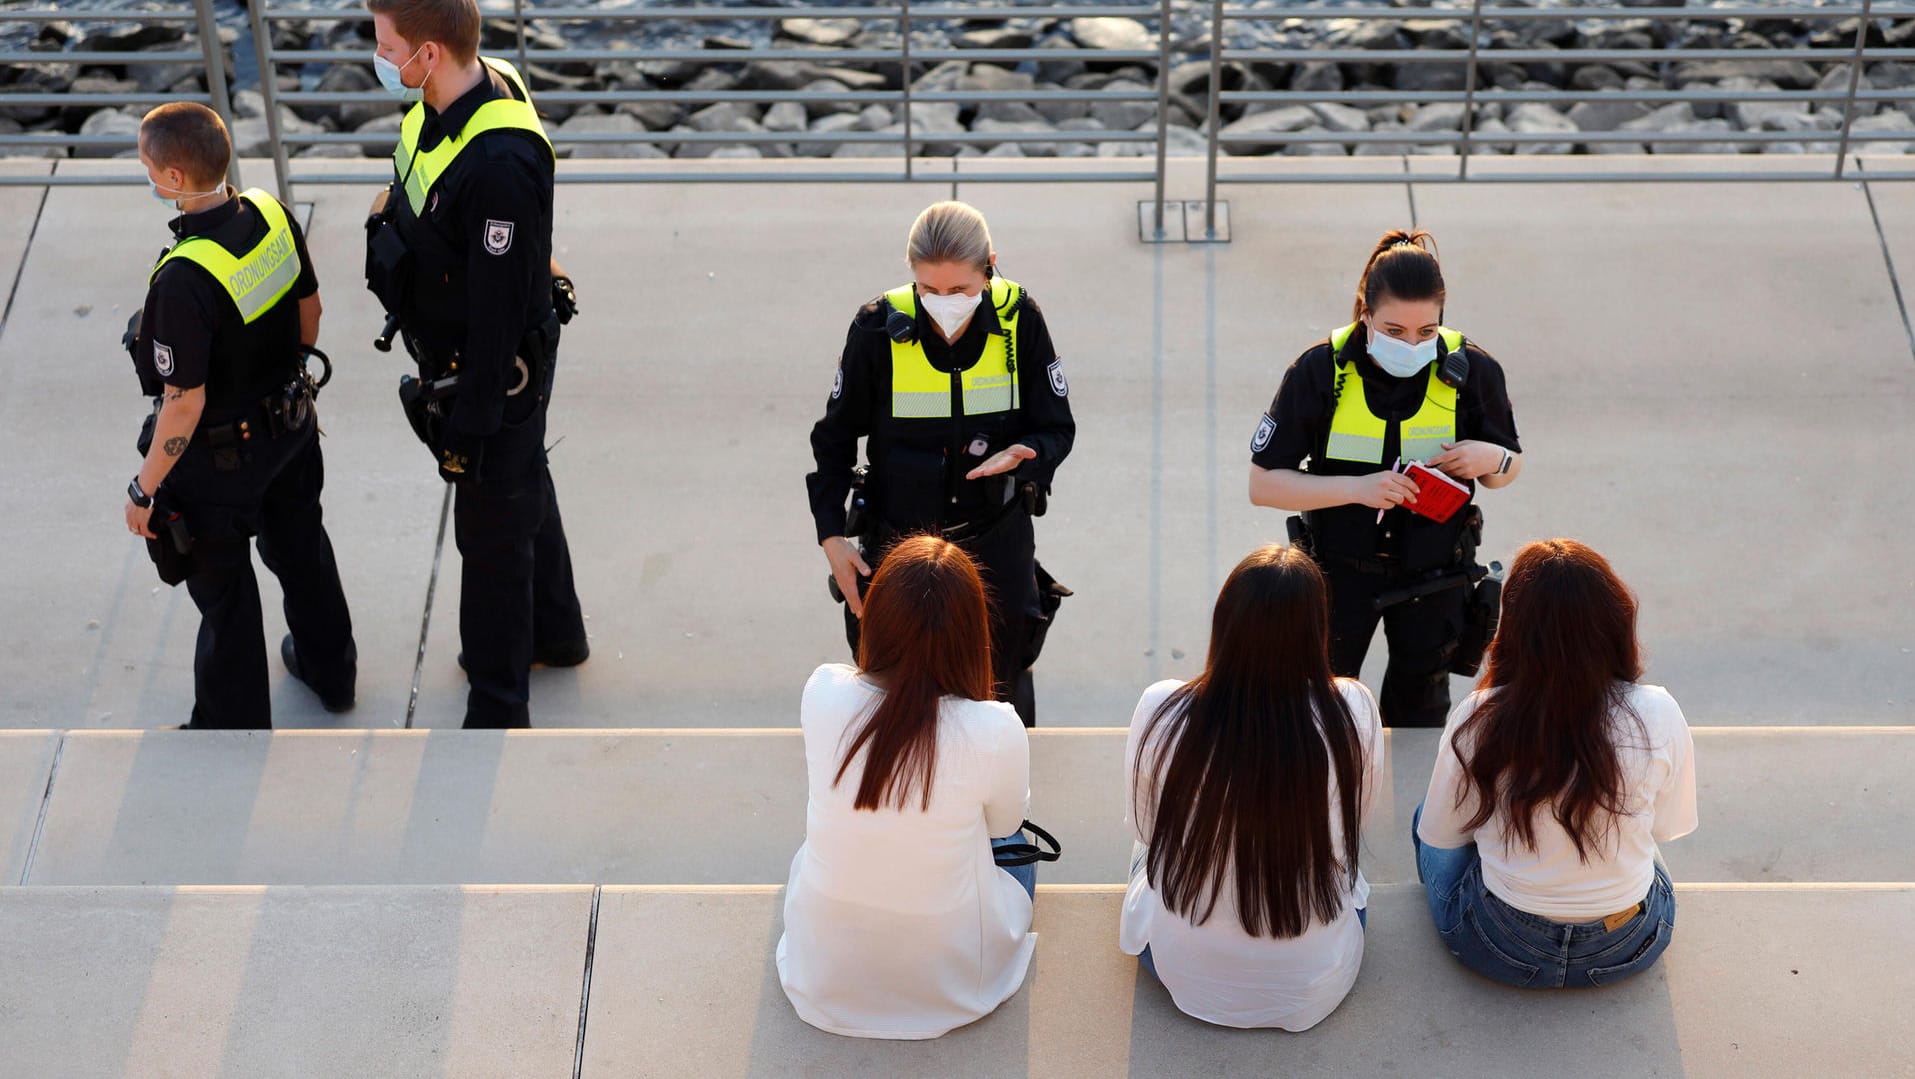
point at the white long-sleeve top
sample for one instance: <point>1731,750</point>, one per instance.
<point>1216,971</point>
<point>1659,774</point>
<point>898,922</point>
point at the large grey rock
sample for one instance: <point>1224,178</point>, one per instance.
<point>1339,117</point>
<point>990,78</point>
<point>655,115</point>
<point>707,149</point>
<point>1600,115</point>
<point>1317,76</point>
<point>826,32</point>
<point>1536,118</point>
<point>737,153</point>
<point>348,79</point>
<point>1431,77</point>
<point>1184,142</point>
<point>617,123</point>
<point>1315,149</point>
<point>1280,120</point>
<point>1383,149</point>
<point>1700,147</point>
<point>1890,121</point>
<point>1793,74</point>
<point>250,104</point>
<point>1438,116</point>
<point>252,139</point>
<point>1489,127</point>
<point>836,123</point>
<point>946,76</point>
<point>1364,34</point>
<point>1001,37</point>
<point>1031,149</point>
<point>786,116</point>
<point>815,109</point>
<point>1012,111</point>
<point>1124,115</point>
<point>874,117</point>
<point>1109,32</point>
<point>73,116</point>
<point>725,116</point>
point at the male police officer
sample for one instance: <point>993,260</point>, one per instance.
<point>233,449</point>
<point>459,252</point>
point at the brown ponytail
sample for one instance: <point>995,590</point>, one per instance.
<point>1402,266</point>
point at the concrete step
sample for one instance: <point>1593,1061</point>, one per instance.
<point>728,807</point>
<point>483,982</point>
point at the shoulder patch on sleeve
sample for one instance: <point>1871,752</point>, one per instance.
<point>163,359</point>
<point>837,383</point>
<point>1266,429</point>
<point>1059,386</point>
<point>498,236</point>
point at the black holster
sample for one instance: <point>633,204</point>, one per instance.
<point>172,552</point>
<point>426,404</point>
<point>388,259</point>
<point>1479,622</point>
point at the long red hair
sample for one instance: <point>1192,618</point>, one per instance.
<point>926,635</point>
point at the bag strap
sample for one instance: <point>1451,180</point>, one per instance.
<point>1010,854</point>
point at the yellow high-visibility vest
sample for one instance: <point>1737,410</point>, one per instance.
<point>418,171</point>
<point>1357,434</point>
<point>262,276</point>
<point>921,391</point>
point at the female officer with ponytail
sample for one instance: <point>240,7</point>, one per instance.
<point>952,381</point>
<point>1394,384</point>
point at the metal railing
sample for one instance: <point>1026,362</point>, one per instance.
<point>893,60</point>
<point>200,44</point>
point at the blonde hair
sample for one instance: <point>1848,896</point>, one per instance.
<point>949,231</point>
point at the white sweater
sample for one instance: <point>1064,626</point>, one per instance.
<point>1660,777</point>
<point>1216,971</point>
<point>898,923</point>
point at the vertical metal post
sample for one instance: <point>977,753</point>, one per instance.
<point>1163,105</point>
<point>1469,89</point>
<point>904,38</point>
<point>216,74</point>
<point>269,89</point>
<point>1855,79</point>
<point>1215,118</point>
<point>518,19</point>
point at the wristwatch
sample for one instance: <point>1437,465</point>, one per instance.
<point>140,498</point>
<point>1503,469</point>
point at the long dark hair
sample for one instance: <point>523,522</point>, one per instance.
<point>1245,752</point>
<point>1402,266</point>
<point>926,635</point>
<point>1562,662</point>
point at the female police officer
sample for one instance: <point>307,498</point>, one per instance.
<point>953,382</point>
<point>1394,384</point>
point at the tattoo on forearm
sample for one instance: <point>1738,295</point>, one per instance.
<point>175,446</point>
<point>174,395</point>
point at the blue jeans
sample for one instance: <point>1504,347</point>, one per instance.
<point>1528,950</point>
<point>1025,875</point>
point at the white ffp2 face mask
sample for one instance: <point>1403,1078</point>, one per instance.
<point>1400,357</point>
<point>950,312</point>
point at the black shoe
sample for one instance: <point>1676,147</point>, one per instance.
<point>335,704</point>
<point>557,655</point>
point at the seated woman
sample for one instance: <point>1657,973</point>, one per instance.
<point>1249,786</point>
<point>898,922</point>
<point>1553,784</point>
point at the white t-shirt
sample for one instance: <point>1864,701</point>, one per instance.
<point>1216,971</point>
<point>1660,780</point>
<point>898,923</point>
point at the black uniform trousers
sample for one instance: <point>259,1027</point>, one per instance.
<point>1006,557</point>
<point>516,592</point>
<point>1422,635</point>
<point>274,496</point>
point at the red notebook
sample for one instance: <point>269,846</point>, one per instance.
<point>1438,497</point>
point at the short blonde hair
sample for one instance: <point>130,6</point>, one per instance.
<point>949,231</point>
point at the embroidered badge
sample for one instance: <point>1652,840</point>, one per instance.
<point>837,383</point>
<point>498,236</point>
<point>1266,428</point>
<point>1058,386</point>
<point>162,359</point>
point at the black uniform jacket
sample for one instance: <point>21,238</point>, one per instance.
<point>936,451</point>
<point>482,253</point>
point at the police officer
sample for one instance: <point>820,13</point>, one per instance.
<point>460,254</point>
<point>1394,384</point>
<point>952,381</point>
<point>232,448</point>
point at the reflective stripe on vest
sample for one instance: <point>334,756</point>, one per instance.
<point>419,171</point>
<point>1358,434</point>
<point>256,280</point>
<point>920,391</point>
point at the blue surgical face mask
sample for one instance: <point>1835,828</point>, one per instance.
<point>1400,357</point>
<point>389,77</point>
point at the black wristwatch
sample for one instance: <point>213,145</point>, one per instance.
<point>140,498</point>
<point>1508,457</point>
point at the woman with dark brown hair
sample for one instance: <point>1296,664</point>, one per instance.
<point>898,922</point>
<point>1249,786</point>
<point>1553,784</point>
